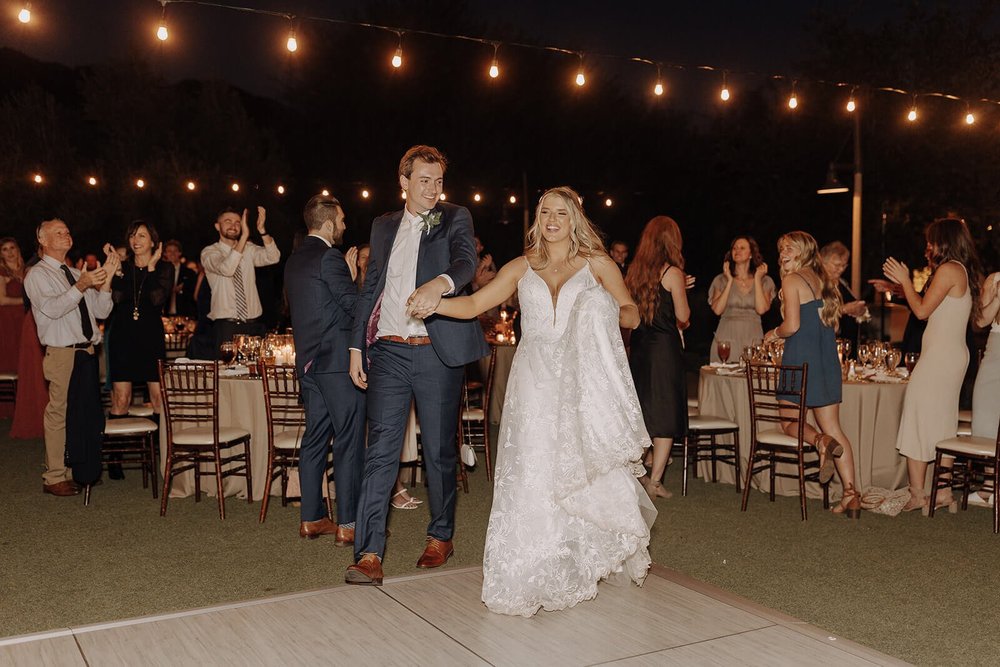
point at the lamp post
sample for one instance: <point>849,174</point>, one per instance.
<point>833,186</point>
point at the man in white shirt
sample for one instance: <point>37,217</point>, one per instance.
<point>66,304</point>
<point>229,268</point>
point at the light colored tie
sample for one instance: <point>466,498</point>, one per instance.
<point>241,296</point>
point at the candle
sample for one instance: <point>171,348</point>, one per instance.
<point>500,338</point>
<point>503,315</point>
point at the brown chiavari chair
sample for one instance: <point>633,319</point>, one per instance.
<point>702,444</point>
<point>194,437</point>
<point>474,425</point>
<point>129,442</point>
<point>768,440</point>
<point>976,462</point>
<point>286,423</point>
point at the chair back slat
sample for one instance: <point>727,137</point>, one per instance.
<point>766,384</point>
<point>190,393</point>
<point>282,398</point>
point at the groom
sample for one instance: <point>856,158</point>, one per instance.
<point>418,255</point>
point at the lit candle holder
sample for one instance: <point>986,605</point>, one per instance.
<point>503,315</point>
<point>501,338</point>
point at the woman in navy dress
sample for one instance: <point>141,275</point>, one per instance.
<point>810,310</point>
<point>656,281</point>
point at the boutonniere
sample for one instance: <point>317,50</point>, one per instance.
<point>429,220</point>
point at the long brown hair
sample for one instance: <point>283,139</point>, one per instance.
<point>950,241</point>
<point>17,271</point>
<point>659,245</point>
<point>584,239</point>
<point>809,258</point>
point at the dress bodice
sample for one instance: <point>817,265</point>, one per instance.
<point>542,316</point>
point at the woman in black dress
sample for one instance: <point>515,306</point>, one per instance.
<point>139,292</point>
<point>656,280</point>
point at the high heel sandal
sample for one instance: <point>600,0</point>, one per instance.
<point>828,449</point>
<point>948,502</point>
<point>850,503</point>
<point>655,490</point>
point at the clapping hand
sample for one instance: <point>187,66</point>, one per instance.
<point>896,271</point>
<point>157,252</point>
<point>112,265</point>
<point>726,272</point>
<point>689,281</point>
<point>88,279</point>
<point>854,308</point>
<point>244,229</point>
<point>760,271</point>
<point>261,216</point>
<point>351,257</point>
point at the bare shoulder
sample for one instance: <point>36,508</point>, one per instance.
<point>672,277</point>
<point>951,271</point>
<point>515,268</point>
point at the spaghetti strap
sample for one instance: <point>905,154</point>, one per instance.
<point>803,278</point>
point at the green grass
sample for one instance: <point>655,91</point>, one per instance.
<point>916,588</point>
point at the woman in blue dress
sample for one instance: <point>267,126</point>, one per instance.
<point>810,311</point>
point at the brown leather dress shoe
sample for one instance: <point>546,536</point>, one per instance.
<point>313,529</point>
<point>436,553</point>
<point>64,488</point>
<point>366,572</point>
<point>345,537</point>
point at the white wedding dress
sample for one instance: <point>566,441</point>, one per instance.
<point>567,508</point>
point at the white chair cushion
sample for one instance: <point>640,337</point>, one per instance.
<point>778,438</point>
<point>965,416</point>
<point>129,426</point>
<point>140,410</point>
<point>288,439</point>
<point>964,429</point>
<point>202,435</point>
<point>708,422</point>
<point>8,377</point>
<point>473,415</point>
<point>693,403</point>
<point>969,445</point>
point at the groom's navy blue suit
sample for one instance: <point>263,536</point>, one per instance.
<point>429,374</point>
<point>321,299</point>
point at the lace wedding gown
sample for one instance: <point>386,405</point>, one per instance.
<point>567,508</point>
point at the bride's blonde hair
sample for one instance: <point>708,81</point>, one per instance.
<point>809,258</point>
<point>584,239</point>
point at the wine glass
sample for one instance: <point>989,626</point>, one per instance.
<point>847,348</point>
<point>723,348</point>
<point>892,359</point>
<point>864,353</point>
<point>227,352</point>
<point>911,360</point>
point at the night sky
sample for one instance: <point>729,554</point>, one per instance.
<point>248,50</point>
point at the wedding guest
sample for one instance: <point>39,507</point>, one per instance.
<point>986,394</point>
<point>65,303</point>
<point>183,279</point>
<point>135,327</point>
<point>229,268</point>
<point>618,250</point>
<point>655,280</point>
<point>835,257</point>
<point>364,252</point>
<point>202,343</point>
<point>32,392</point>
<point>322,295</point>
<point>740,295</point>
<point>810,310</point>
<point>930,407</point>
<point>11,304</point>
<point>567,509</point>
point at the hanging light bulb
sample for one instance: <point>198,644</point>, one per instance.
<point>724,93</point>
<point>191,186</point>
<point>161,32</point>
<point>793,100</point>
<point>477,197</point>
<point>658,88</point>
<point>325,192</point>
<point>24,16</point>
<point>292,44</point>
<point>608,202</point>
<point>235,187</point>
<point>970,118</point>
<point>851,105</point>
<point>495,65</point>
<point>139,183</point>
<point>397,58</point>
<point>442,197</point>
<point>281,189</point>
<point>365,194</point>
<point>92,181</point>
<point>37,178</point>
<point>580,78</point>
<point>513,199</point>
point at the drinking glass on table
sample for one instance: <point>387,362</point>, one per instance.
<point>892,359</point>
<point>911,360</point>
<point>723,348</point>
<point>227,352</point>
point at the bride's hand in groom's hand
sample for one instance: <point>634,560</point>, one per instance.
<point>424,300</point>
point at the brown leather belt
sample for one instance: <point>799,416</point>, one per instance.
<point>412,340</point>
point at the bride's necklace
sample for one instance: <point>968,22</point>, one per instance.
<point>137,290</point>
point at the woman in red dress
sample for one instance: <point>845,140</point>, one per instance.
<point>11,309</point>
<point>32,394</point>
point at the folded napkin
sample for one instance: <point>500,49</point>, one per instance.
<point>727,370</point>
<point>719,364</point>
<point>235,371</point>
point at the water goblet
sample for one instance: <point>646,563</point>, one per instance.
<point>723,348</point>
<point>227,352</point>
<point>911,360</point>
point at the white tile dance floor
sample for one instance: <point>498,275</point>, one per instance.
<point>438,619</point>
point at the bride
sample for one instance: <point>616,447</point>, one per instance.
<point>567,508</point>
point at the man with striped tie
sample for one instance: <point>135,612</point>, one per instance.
<point>229,268</point>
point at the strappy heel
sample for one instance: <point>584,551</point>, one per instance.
<point>950,503</point>
<point>850,503</point>
<point>828,449</point>
<point>917,500</point>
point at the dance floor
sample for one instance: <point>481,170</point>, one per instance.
<point>437,619</point>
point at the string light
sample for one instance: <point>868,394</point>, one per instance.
<point>513,199</point>
<point>365,194</point>
<point>161,31</point>
<point>580,78</point>
<point>477,197</point>
<point>281,189</point>
<point>235,187</point>
<point>24,16</point>
<point>970,117</point>
<point>793,100</point>
<point>397,58</point>
<point>442,197</point>
<point>91,181</point>
<point>658,88</point>
<point>37,178</point>
<point>139,183</point>
<point>851,104</point>
<point>292,44</point>
<point>495,66</point>
<point>608,202</point>
<point>325,192</point>
<point>912,115</point>
<point>191,186</point>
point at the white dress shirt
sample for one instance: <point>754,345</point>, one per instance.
<point>401,281</point>
<point>220,261</point>
<point>56,306</point>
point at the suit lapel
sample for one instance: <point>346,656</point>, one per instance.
<point>425,237</point>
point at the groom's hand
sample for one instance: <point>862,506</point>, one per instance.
<point>426,298</point>
<point>356,370</point>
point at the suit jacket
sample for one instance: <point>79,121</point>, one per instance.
<point>321,302</point>
<point>187,279</point>
<point>849,328</point>
<point>448,248</point>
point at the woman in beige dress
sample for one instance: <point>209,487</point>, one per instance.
<point>930,409</point>
<point>740,295</point>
